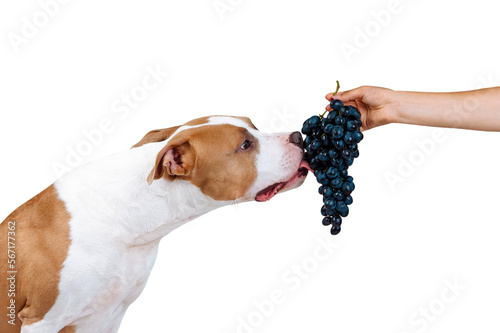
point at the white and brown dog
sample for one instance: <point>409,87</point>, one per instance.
<point>85,246</point>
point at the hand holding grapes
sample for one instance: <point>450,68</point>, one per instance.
<point>474,110</point>
<point>375,104</point>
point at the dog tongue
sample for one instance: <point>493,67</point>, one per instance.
<point>269,192</point>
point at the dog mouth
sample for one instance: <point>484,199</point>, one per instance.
<point>269,192</point>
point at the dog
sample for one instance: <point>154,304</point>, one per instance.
<point>83,248</point>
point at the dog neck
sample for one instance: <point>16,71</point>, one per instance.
<point>130,210</point>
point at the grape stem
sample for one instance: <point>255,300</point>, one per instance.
<point>338,87</point>
<point>321,116</point>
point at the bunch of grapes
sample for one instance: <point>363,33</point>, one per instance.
<point>331,146</point>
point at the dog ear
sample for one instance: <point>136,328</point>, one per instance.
<point>156,136</point>
<point>174,160</point>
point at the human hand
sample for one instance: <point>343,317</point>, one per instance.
<point>377,105</point>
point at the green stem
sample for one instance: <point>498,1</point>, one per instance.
<point>338,87</point>
<point>321,116</point>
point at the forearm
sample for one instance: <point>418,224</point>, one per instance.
<point>477,109</point>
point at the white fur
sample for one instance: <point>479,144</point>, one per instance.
<point>117,221</point>
<point>274,163</point>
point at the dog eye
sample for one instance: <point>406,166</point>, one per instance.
<point>245,145</point>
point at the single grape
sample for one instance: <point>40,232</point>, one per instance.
<point>345,211</point>
<point>349,138</point>
<point>332,116</point>
<point>351,126</point>
<point>336,183</point>
<point>346,154</point>
<point>358,136</point>
<point>339,120</point>
<point>329,128</point>
<point>337,132</point>
<point>330,203</point>
<point>321,189</point>
<point>339,196</point>
<point>323,211</point>
<point>336,104</point>
<point>336,220</point>
<point>341,206</point>
<point>323,156</point>
<point>306,128</point>
<point>347,188</point>
<point>316,132</point>
<point>316,144</point>
<point>322,179</point>
<point>332,153</point>
<point>339,144</point>
<point>332,172</point>
<point>328,192</point>
<point>314,121</point>
<point>327,220</point>
<point>335,230</point>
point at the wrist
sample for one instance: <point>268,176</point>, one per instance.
<point>410,107</point>
<point>396,111</point>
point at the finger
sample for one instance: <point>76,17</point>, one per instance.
<point>364,114</point>
<point>352,103</point>
<point>329,96</point>
<point>354,94</point>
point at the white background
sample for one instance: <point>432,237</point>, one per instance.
<point>274,61</point>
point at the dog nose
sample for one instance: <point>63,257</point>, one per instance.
<point>296,139</point>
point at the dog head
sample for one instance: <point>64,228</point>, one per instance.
<point>228,158</point>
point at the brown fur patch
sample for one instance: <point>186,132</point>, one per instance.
<point>42,240</point>
<point>204,120</point>
<point>198,121</point>
<point>159,135</point>
<point>220,170</point>
<point>248,121</point>
<point>68,329</point>
<point>156,136</point>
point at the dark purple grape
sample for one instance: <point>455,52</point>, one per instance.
<point>336,104</point>
<point>336,183</point>
<point>332,172</point>
<point>327,220</point>
<point>321,189</point>
<point>335,230</point>
<point>336,220</point>
<point>339,120</point>
<point>314,121</point>
<point>351,126</point>
<point>332,153</point>
<point>328,192</point>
